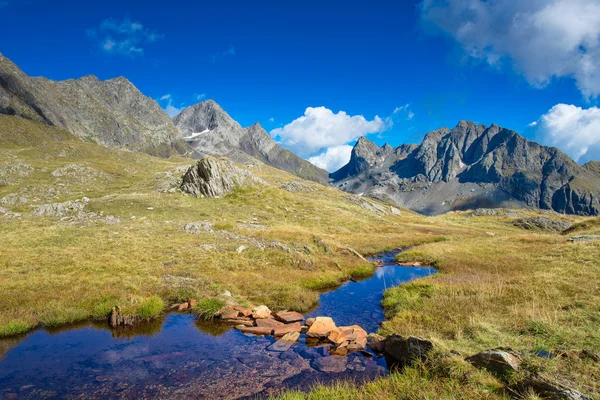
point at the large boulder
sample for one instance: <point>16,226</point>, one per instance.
<point>212,177</point>
<point>406,351</point>
<point>543,223</point>
<point>499,361</point>
<point>261,312</point>
<point>547,389</point>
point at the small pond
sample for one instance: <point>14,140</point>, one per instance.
<point>179,357</point>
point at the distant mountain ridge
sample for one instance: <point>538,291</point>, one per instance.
<point>211,131</point>
<point>472,166</point>
<point>113,113</point>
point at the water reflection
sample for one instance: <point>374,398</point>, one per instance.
<point>181,357</point>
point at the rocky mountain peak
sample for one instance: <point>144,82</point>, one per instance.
<point>113,113</point>
<point>473,165</point>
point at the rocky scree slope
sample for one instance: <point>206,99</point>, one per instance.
<point>211,131</point>
<point>113,113</point>
<point>472,166</point>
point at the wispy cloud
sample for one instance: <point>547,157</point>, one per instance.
<point>228,53</point>
<point>404,110</point>
<point>271,119</point>
<point>122,37</point>
<point>167,105</point>
<point>199,96</point>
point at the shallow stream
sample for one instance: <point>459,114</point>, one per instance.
<point>179,357</point>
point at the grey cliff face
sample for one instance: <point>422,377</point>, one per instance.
<point>113,113</point>
<point>472,166</point>
<point>211,131</point>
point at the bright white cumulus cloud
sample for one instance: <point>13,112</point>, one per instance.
<point>541,39</point>
<point>574,130</point>
<point>333,158</point>
<point>320,129</point>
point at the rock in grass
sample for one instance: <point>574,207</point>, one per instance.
<point>376,342</point>
<point>543,223</point>
<point>498,361</point>
<point>407,351</point>
<point>261,312</point>
<point>547,389</point>
<point>584,238</point>
<point>212,177</point>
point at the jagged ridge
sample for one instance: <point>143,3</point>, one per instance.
<point>469,166</point>
<point>113,113</point>
<point>214,132</point>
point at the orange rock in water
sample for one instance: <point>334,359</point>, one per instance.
<point>269,323</point>
<point>283,330</point>
<point>289,316</point>
<point>321,328</point>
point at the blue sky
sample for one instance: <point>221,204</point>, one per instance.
<point>397,69</point>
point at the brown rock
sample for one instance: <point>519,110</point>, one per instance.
<point>183,306</point>
<point>192,303</point>
<point>499,361</point>
<point>291,337</point>
<point>406,351</point>
<point>287,328</point>
<point>246,312</point>
<point>257,330</point>
<point>261,312</point>
<point>285,343</point>
<point>229,314</point>
<point>330,364</point>
<point>289,316</point>
<point>268,323</point>
<point>240,321</point>
<point>358,345</point>
<point>376,342</point>
<point>321,328</point>
<point>304,329</point>
<point>309,322</point>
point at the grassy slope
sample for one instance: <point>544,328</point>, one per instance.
<point>498,285</point>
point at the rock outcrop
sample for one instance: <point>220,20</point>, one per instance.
<point>472,166</point>
<point>212,177</point>
<point>211,131</point>
<point>113,113</point>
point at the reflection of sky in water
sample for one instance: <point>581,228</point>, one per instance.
<point>179,357</point>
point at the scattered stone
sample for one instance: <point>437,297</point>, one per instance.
<point>212,177</point>
<point>79,174</point>
<point>547,389</point>
<point>192,303</point>
<point>321,327</point>
<point>406,351</point>
<point>9,214</point>
<point>584,238</point>
<point>255,330</point>
<point>297,186</point>
<point>241,248</point>
<point>230,314</point>
<point>227,293</point>
<point>59,209</point>
<point>395,211</point>
<point>245,312</point>
<point>589,355</point>
<point>207,247</point>
<point>543,223</point>
<point>183,306</point>
<point>288,316</point>
<point>494,212</point>
<point>268,323</point>
<point>376,342</point>
<point>261,312</point>
<point>241,321</point>
<point>285,343</point>
<point>411,264</point>
<point>197,227</point>
<point>283,330</point>
<point>309,322</point>
<point>368,205</point>
<point>330,364</point>
<point>499,361</point>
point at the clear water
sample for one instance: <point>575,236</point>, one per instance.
<point>179,357</point>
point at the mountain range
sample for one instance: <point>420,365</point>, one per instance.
<point>452,169</point>
<point>472,166</point>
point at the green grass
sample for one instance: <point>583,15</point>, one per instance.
<point>150,308</point>
<point>207,307</point>
<point>15,327</point>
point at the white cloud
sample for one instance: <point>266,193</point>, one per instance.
<point>229,52</point>
<point>200,97</point>
<point>319,128</point>
<point>333,158</point>
<point>122,37</point>
<point>574,130</point>
<point>166,97</point>
<point>541,39</point>
<point>271,119</point>
<point>405,109</point>
<point>171,109</point>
